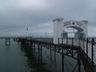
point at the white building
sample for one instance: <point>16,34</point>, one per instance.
<point>60,26</point>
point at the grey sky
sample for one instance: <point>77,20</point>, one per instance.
<point>38,14</point>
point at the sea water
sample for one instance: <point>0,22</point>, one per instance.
<point>14,58</point>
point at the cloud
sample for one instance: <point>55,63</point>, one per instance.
<point>32,4</point>
<point>37,13</point>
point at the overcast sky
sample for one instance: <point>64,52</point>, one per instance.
<point>15,15</point>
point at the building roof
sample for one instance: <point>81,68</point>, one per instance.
<point>58,19</point>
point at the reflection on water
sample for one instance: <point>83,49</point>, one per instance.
<point>12,59</point>
<point>21,58</point>
<point>33,63</point>
<point>43,59</point>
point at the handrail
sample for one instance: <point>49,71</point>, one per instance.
<point>85,44</point>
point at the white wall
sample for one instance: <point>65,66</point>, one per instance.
<point>58,30</point>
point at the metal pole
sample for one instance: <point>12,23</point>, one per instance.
<point>92,51</point>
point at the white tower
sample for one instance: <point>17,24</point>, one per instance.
<point>58,29</point>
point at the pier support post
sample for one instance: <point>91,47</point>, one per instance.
<point>62,63</point>
<point>50,55</point>
<point>62,60</point>
<point>55,57</point>
<point>72,46</point>
<point>7,41</point>
<point>92,52</point>
<point>39,53</point>
<point>79,64</point>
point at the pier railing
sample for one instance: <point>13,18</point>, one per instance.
<point>88,45</point>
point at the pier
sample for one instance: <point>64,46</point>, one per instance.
<point>83,51</point>
<point>75,51</point>
<point>80,49</point>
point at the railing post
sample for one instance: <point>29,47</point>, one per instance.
<point>87,45</point>
<point>92,52</point>
<point>72,42</point>
<point>67,41</point>
<point>72,47</point>
<point>84,44</point>
<point>79,42</point>
<point>58,41</point>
